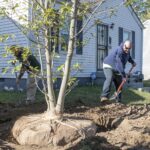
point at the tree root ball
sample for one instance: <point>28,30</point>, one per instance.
<point>39,130</point>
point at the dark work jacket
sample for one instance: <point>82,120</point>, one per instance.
<point>117,59</point>
<point>29,65</point>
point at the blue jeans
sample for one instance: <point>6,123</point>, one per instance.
<point>111,76</point>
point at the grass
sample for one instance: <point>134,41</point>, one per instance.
<point>133,96</point>
<point>91,96</point>
<point>146,83</point>
<point>86,95</point>
<point>15,96</point>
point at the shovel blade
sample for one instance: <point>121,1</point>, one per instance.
<point>114,96</point>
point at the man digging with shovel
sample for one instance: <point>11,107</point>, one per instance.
<point>29,64</point>
<point>114,70</point>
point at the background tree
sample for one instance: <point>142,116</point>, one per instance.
<point>142,8</point>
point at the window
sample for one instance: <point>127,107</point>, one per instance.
<point>79,39</point>
<point>55,34</point>
<point>125,34</point>
<point>64,41</point>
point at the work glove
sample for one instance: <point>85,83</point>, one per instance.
<point>124,75</point>
<point>13,62</point>
<point>124,79</point>
<point>134,64</point>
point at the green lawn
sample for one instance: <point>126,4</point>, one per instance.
<point>87,95</point>
<point>146,83</point>
<point>15,96</point>
<point>91,95</point>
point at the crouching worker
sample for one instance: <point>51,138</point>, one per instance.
<point>30,65</point>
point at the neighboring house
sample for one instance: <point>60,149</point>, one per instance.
<point>102,37</point>
<point>146,50</point>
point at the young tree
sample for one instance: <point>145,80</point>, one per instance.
<point>48,17</point>
<point>42,30</point>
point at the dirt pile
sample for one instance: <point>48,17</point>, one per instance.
<point>119,126</point>
<point>131,134</point>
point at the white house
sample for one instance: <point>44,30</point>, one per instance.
<point>146,50</point>
<point>102,37</point>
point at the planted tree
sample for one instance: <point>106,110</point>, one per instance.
<point>42,31</point>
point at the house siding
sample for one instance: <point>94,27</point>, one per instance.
<point>12,27</point>
<point>88,60</point>
<point>7,27</point>
<point>123,18</point>
<point>146,50</point>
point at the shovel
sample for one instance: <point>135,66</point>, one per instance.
<point>116,94</point>
<point>17,84</point>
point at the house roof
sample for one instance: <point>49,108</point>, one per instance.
<point>135,16</point>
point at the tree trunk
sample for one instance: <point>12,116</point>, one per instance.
<point>51,95</point>
<point>61,96</point>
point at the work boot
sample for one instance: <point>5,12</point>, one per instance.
<point>29,102</point>
<point>104,99</point>
<point>118,100</point>
<point>119,97</point>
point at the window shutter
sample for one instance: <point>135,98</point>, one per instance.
<point>55,39</point>
<point>79,40</point>
<point>120,35</point>
<point>55,34</point>
<point>133,44</point>
<point>52,39</point>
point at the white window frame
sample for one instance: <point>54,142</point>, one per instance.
<point>128,38</point>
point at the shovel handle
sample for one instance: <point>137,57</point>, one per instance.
<point>123,82</point>
<point>120,86</point>
<point>16,75</point>
<point>130,71</point>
